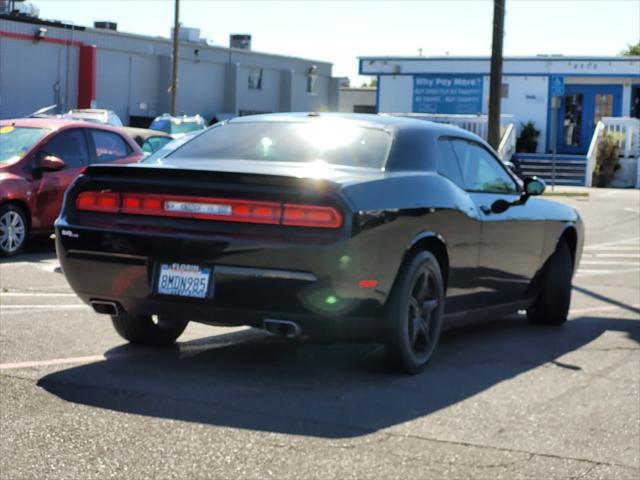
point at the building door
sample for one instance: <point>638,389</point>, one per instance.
<point>582,108</point>
<point>635,101</point>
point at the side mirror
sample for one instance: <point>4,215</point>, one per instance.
<point>50,163</point>
<point>534,186</point>
<point>500,206</point>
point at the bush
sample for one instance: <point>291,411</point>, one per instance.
<point>607,161</point>
<point>527,142</point>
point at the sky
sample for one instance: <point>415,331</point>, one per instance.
<point>339,31</point>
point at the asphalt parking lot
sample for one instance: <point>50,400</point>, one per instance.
<point>500,400</point>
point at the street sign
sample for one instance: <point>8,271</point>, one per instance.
<point>557,86</point>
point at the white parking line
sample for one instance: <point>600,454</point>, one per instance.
<point>607,262</point>
<point>633,241</point>
<point>20,309</point>
<point>605,272</point>
<point>604,308</point>
<point>613,255</point>
<point>612,249</point>
<point>44,307</point>
<point>35,263</point>
<point>55,361</point>
<point>587,270</point>
<point>36,294</point>
<point>49,266</point>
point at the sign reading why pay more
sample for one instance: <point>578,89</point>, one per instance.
<point>447,94</point>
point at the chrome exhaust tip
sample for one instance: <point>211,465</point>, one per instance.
<point>106,307</point>
<point>282,328</point>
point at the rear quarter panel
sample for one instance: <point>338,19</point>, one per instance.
<point>394,212</point>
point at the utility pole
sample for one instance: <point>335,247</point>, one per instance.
<point>174,70</point>
<point>495,88</point>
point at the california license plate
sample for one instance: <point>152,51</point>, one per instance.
<point>183,280</point>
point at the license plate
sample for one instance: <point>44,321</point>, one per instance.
<point>183,280</point>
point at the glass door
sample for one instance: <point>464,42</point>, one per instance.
<point>571,122</point>
<point>583,106</point>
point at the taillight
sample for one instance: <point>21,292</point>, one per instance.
<point>205,208</point>
<point>99,202</point>
<point>311,216</point>
<point>142,204</point>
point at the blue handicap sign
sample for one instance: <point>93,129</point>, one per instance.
<point>557,86</point>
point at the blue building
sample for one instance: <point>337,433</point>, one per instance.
<point>589,91</point>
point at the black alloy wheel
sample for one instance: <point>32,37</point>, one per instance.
<point>415,313</point>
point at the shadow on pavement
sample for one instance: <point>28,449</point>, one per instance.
<point>606,299</point>
<point>36,250</point>
<point>247,380</point>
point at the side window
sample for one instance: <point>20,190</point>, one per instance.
<point>109,146</point>
<point>481,172</point>
<point>255,79</point>
<point>448,162</point>
<point>70,146</point>
<point>153,144</point>
<point>312,83</point>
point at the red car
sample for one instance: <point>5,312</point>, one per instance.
<point>39,157</point>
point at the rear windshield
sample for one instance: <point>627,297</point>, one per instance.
<point>335,142</point>
<point>175,126</point>
<point>15,142</point>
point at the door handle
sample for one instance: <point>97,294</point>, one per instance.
<point>485,209</point>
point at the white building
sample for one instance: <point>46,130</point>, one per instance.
<point>590,88</point>
<point>357,99</point>
<point>46,62</point>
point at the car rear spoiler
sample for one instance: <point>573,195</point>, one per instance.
<point>196,176</point>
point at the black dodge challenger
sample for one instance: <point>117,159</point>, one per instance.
<point>360,227</point>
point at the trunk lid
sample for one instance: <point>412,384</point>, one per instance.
<point>191,185</point>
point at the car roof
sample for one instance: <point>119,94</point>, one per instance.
<point>382,121</point>
<point>395,124</point>
<point>101,111</point>
<point>180,118</point>
<point>55,123</point>
<point>80,114</point>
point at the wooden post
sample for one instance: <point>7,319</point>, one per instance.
<point>174,70</point>
<point>495,88</point>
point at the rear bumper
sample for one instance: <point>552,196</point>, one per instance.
<point>315,286</point>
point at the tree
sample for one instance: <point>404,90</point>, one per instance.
<point>631,50</point>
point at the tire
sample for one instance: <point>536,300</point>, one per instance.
<point>415,311</point>
<point>142,329</point>
<point>551,307</point>
<point>14,230</point>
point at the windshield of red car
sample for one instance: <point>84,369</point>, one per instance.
<point>333,142</point>
<point>15,142</point>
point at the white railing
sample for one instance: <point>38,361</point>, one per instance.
<point>626,132</point>
<point>478,124</point>
<point>507,146</point>
<point>592,153</point>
